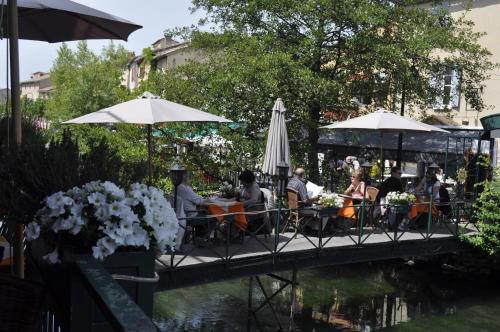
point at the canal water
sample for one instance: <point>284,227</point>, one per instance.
<point>390,296</point>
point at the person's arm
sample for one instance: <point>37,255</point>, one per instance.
<point>362,189</point>
<point>193,197</point>
<point>349,190</point>
<point>435,189</point>
<point>304,196</point>
<point>420,186</point>
<point>254,198</point>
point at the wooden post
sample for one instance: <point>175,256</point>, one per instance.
<point>150,182</point>
<point>16,121</point>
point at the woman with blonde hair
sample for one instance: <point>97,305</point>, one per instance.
<point>357,187</point>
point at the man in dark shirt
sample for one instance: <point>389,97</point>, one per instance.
<point>391,184</point>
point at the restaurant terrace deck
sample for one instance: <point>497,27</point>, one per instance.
<point>260,254</point>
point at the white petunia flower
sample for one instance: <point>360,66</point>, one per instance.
<point>52,257</point>
<point>108,243</point>
<point>125,228</point>
<point>96,198</point>
<point>98,253</point>
<point>113,190</point>
<point>32,231</point>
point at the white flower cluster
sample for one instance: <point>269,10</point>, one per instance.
<point>226,189</point>
<point>331,200</point>
<point>398,198</point>
<point>105,213</point>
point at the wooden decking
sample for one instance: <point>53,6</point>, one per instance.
<point>259,255</point>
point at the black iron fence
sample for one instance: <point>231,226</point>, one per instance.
<point>278,231</point>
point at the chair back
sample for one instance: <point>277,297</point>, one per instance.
<point>293,198</point>
<point>372,193</point>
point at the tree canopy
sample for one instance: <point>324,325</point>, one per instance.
<point>319,54</point>
<point>85,82</point>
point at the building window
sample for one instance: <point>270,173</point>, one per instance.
<point>448,91</point>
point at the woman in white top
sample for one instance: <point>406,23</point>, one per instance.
<point>429,185</point>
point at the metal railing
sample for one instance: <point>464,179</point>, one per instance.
<point>116,308</point>
<point>311,228</point>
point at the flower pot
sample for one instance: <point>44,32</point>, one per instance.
<point>327,211</point>
<point>399,209</point>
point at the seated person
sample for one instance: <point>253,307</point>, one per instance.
<point>250,194</point>
<point>393,183</point>
<point>189,198</point>
<point>357,187</point>
<point>298,183</point>
<point>429,185</point>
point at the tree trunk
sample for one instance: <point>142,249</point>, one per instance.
<point>312,153</point>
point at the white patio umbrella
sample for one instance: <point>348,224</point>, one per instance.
<point>148,110</point>
<point>384,121</point>
<point>277,148</point>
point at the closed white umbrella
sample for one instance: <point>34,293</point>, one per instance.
<point>148,109</point>
<point>277,148</point>
<point>384,121</point>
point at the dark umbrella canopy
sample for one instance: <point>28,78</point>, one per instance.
<point>63,20</point>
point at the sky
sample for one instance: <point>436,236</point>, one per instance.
<point>154,15</point>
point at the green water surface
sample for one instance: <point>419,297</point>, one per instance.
<point>368,297</point>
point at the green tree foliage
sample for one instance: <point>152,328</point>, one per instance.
<point>43,165</point>
<point>33,108</point>
<point>487,215</point>
<point>317,55</point>
<point>85,82</point>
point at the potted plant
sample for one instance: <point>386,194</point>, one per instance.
<point>123,229</point>
<point>400,202</point>
<point>330,203</point>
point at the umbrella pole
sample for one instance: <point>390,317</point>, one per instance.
<point>149,155</point>
<point>382,161</point>
<point>16,121</point>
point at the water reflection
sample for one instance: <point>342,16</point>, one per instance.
<point>355,298</point>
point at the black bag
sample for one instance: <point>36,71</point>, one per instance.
<point>444,197</point>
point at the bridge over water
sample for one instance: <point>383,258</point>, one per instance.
<point>264,254</point>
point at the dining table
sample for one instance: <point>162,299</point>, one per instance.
<point>349,209</point>
<point>421,206</point>
<point>217,207</point>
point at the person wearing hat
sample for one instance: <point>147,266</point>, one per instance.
<point>298,183</point>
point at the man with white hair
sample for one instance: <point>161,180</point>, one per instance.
<point>190,199</point>
<point>298,183</point>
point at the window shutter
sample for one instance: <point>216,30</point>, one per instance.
<point>455,93</point>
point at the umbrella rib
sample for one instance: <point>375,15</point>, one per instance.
<point>83,17</point>
<point>36,12</point>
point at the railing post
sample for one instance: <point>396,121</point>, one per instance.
<point>361,222</point>
<point>277,228</point>
<point>429,218</point>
